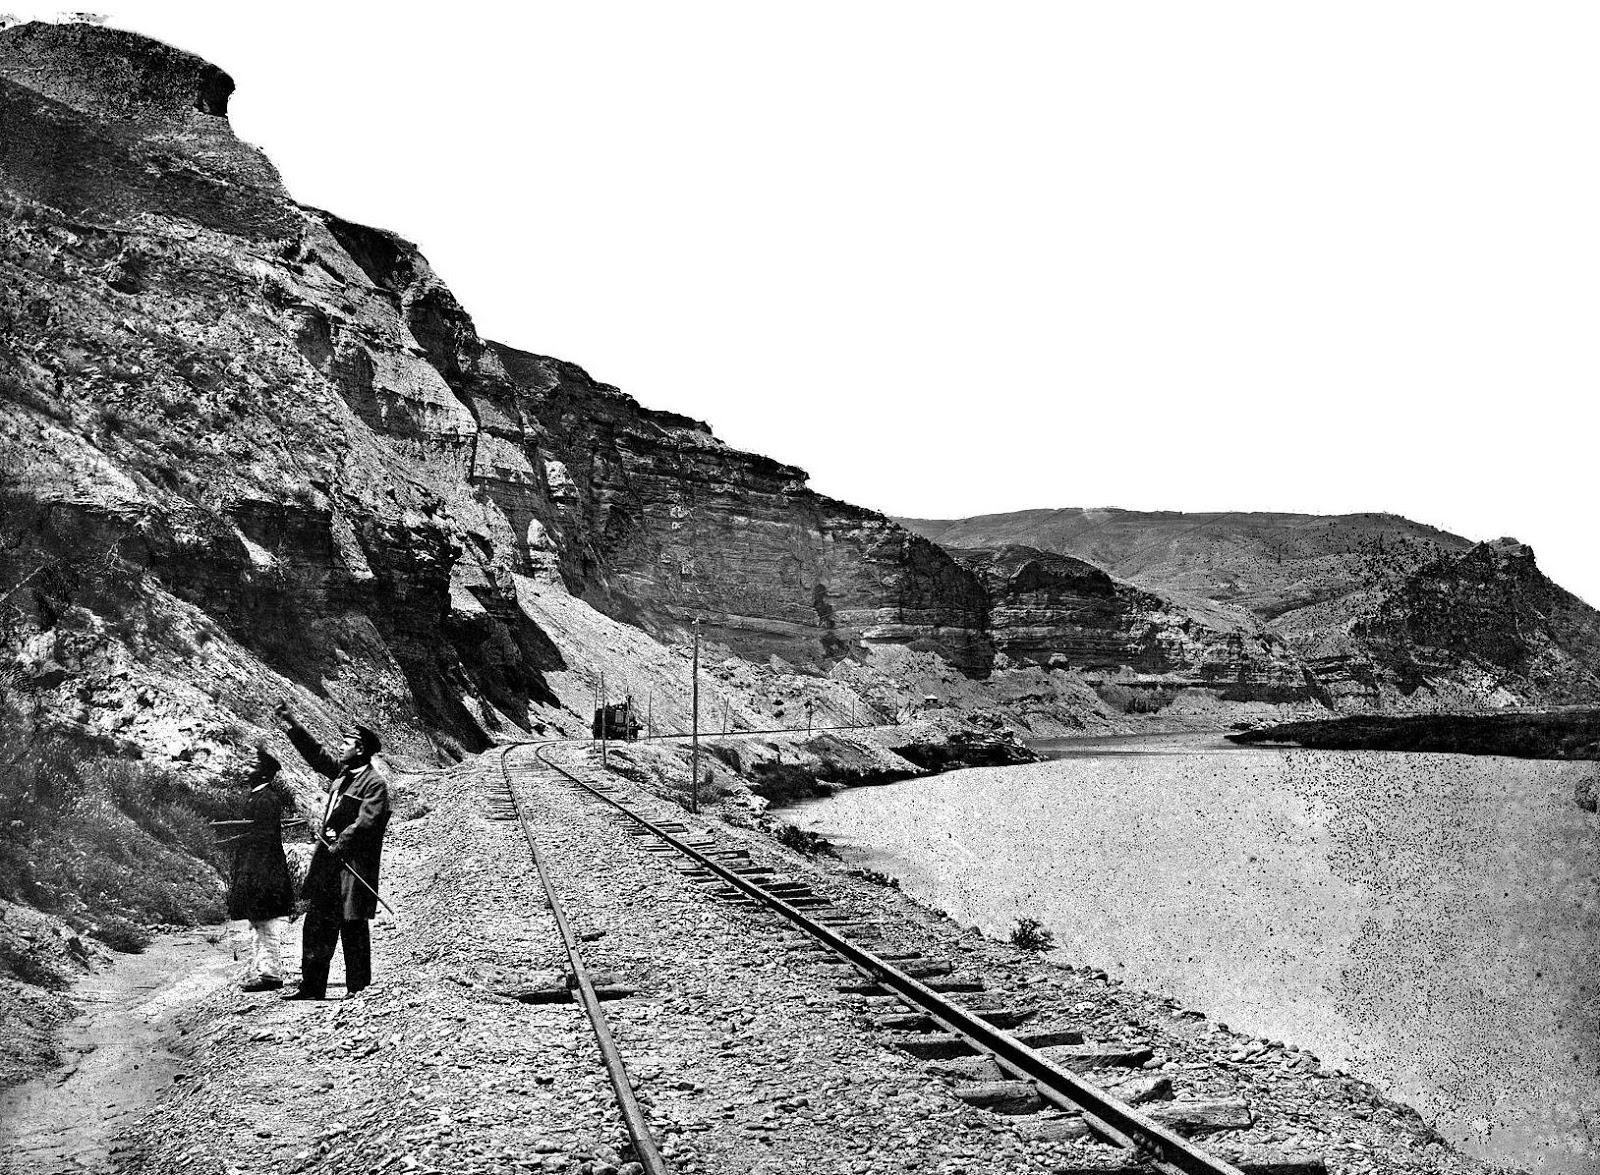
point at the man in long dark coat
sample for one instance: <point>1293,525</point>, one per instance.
<point>259,887</point>
<point>341,886</point>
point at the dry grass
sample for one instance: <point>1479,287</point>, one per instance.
<point>107,845</point>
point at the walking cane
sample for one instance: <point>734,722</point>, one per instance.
<point>350,869</point>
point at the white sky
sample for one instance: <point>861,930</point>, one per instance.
<point>960,259</point>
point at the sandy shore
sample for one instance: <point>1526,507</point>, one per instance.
<point>1427,920</point>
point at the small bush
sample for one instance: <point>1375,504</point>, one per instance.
<point>29,969</point>
<point>728,756</point>
<point>781,783</point>
<point>1032,935</point>
<point>810,844</point>
<point>875,877</point>
<point>711,792</point>
<point>121,935</point>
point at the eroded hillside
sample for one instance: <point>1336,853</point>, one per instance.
<point>1381,611</point>
<point>256,450</point>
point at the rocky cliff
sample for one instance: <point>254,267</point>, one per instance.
<point>1061,612</point>
<point>1483,626</point>
<point>1383,612</point>
<point>1272,565</point>
<point>254,449</point>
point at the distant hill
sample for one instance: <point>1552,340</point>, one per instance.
<point>1383,610</point>
<point>1269,564</point>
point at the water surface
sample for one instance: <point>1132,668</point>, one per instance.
<point>1427,921</point>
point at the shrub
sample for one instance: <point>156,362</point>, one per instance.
<point>22,965</point>
<point>727,755</point>
<point>810,844</point>
<point>1032,935</point>
<point>683,794</point>
<point>121,935</point>
<point>875,877</point>
<point>105,844</point>
<point>782,783</point>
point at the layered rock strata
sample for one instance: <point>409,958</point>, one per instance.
<point>1060,612</point>
<point>1384,612</point>
<point>252,447</point>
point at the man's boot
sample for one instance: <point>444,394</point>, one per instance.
<point>313,981</point>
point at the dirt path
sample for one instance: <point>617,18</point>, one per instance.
<point>118,1059</point>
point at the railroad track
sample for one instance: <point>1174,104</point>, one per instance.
<point>982,1043</point>
<point>736,732</point>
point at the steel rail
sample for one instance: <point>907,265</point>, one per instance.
<point>753,730</point>
<point>644,1145</point>
<point>1110,1117</point>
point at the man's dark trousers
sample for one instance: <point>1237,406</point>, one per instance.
<point>322,931</point>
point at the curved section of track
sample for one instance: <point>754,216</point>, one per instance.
<point>1119,1123</point>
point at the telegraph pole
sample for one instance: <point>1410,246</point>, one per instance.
<point>694,737</point>
<point>603,717</point>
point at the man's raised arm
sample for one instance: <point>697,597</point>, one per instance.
<point>316,758</point>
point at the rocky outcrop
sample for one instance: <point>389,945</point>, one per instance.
<point>1486,625</point>
<point>252,448</point>
<point>660,524</point>
<point>1382,611</point>
<point>1060,612</point>
<point>1271,565</point>
<point>108,124</point>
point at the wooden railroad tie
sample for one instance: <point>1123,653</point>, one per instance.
<point>1073,1055</point>
<point>944,1045</point>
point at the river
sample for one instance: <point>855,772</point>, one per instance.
<point>1429,922</point>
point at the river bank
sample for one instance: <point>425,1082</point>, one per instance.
<point>1426,920</point>
<point>1557,734</point>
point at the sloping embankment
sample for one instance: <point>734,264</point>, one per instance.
<point>1559,734</point>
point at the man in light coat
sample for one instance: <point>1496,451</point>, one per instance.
<point>348,854</point>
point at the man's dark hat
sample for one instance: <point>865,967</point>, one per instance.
<point>267,759</point>
<point>370,742</point>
